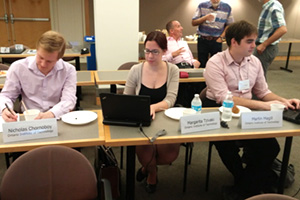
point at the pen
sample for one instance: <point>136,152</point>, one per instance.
<point>9,109</point>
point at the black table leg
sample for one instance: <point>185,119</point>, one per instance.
<point>79,97</point>
<point>113,88</point>
<point>287,59</point>
<point>77,63</point>
<point>78,91</point>
<point>130,173</point>
<point>285,162</point>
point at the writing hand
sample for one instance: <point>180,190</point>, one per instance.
<point>9,116</point>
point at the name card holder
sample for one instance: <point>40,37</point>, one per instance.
<point>199,122</point>
<point>261,119</point>
<point>29,130</point>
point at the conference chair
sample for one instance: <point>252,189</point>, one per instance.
<point>271,197</point>
<point>125,66</point>
<point>3,66</point>
<point>52,172</point>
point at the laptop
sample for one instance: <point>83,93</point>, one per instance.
<point>292,115</point>
<point>125,110</point>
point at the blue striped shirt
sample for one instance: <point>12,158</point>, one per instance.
<point>224,18</point>
<point>270,19</point>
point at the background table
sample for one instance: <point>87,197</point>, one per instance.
<point>69,53</point>
<point>119,77</point>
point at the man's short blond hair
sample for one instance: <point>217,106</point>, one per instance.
<point>52,41</point>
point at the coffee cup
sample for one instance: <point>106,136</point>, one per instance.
<point>277,106</point>
<point>214,19</point>
<point>31,114</point>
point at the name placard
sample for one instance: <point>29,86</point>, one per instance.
<point>261,119</point>
<point>199,122</point>
<point>28,130</point>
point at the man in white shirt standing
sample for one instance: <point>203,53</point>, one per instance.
<point>178,51</point>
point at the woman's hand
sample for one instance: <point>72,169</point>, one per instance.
<point>152,111</point>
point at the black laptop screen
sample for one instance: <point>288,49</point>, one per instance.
<point>127,110</point>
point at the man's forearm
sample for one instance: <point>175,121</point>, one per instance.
<point>276,35</point>
<point>197,22</point>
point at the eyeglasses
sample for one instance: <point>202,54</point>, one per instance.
<point>154,51</point>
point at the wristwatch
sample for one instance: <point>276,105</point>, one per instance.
<point>222,38</point>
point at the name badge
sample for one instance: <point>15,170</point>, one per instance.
<point>261,119</point>
<point>244,85</point>
<point>199,122</point>
<point>28,130</point>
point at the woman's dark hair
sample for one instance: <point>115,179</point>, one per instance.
<point>238,30</point>
<point>159,37</point>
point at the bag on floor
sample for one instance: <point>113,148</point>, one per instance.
<point>290,175</point>
<point>106,166</point>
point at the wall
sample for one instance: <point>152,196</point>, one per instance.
<point>116,32</point>
<point>67,17</point>
<point>154,14</point>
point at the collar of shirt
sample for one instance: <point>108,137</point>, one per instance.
<point>33,66</point>
<point>268,3</point>
<point>170,38</point>
<point>230,61</point>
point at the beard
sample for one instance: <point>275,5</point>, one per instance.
<point>215,4</point>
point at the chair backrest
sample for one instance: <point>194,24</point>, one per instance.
<point>271,197</point>
<point>203,94</point>
<point>50,172</point>
<point>127,66</point>
<point>3,66</point>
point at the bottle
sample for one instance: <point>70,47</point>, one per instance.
<point>227,107</point>
<point>196,103</point>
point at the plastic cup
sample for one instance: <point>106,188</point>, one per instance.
<point>277,106</point>
<point>31,114</point>
<point>189,111</point>
<point>215,15</point>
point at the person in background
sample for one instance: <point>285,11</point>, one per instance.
<point>44,81</point>
<point>180,54</point>
<point>212,17</point>
<point>238,71</point>
<point>159,80</point>
<point>178,51</point>
<point>271,27</point>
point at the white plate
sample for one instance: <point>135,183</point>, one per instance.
<point>242,109</point>
<point>174,113</point>
<point>79,117</point>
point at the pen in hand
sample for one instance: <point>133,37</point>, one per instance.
<point>9,109</point>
